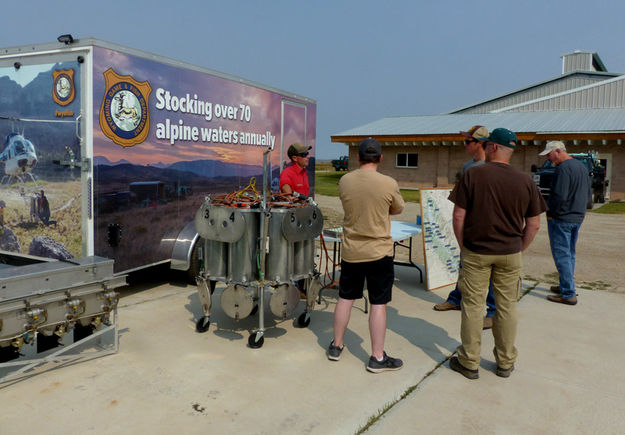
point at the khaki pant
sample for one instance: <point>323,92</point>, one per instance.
<point>505,272</point>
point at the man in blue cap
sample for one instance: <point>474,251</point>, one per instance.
<point>496,216</point>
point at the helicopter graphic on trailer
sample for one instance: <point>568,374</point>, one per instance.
<point>19,158</point>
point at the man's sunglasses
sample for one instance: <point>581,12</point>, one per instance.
<point>303,154</point>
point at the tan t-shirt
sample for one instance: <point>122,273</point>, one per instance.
<point>368,198</point>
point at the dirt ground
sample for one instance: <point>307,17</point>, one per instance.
<point>599,247</point>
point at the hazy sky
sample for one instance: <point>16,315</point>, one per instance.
<point>361,60</point>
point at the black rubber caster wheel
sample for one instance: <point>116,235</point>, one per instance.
<point>303,320</point>
<point>255,343</point>
<point>203,324</point>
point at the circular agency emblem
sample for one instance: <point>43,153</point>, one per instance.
<point>63,91</point>
<point>124,114</point>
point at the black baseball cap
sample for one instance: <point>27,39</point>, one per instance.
<point>369,147</point>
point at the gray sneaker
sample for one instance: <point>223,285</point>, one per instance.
<point>334,352</point>
<point>387,363</point>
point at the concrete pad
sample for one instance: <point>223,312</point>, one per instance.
<point>167,378</point>
<point>569,377</point>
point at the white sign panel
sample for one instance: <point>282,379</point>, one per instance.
<point>441,251</point>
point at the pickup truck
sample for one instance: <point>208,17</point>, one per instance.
<point>341,163</point>
<point>597,172</point>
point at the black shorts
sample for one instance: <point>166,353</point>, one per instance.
<point>380,275</point>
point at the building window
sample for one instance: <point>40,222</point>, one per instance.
<point>407,160</point>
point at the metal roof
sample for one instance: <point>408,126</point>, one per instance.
<point>600,98</point>
<point>597,74</point>
<point>568,121</point>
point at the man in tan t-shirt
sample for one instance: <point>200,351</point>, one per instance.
<point>368,199</point>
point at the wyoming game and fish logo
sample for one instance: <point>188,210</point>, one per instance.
<point>63,90</point>
<point>124,116</point>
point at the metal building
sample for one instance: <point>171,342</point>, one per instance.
<point>584,107</point>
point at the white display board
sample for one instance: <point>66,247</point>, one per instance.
<point>441,251</point>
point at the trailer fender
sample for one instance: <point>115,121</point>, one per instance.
<point>183,247</point>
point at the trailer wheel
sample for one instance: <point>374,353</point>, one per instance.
<point>203,324</point>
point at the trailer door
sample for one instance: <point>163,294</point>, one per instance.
<point>40,162</point>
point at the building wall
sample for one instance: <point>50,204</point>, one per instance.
<point>577,61</point>
<point>439,165</point>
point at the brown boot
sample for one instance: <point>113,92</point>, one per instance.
<point>455,365</point>
<point>446,306</point>
<point>555,289</point>
<point>502,373</point>
<point>561,300</point>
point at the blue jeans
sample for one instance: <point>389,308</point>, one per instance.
<point>455,297</point>
<point>562,238</point>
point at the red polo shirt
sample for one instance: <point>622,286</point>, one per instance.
<point>295,177</point>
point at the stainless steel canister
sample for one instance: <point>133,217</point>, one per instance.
<point>279,260</point>
<point>304,252</point>
<point>216,260</point>
<point>242,254</point>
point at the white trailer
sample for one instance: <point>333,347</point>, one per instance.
<point>108,153</point>
<point>107,124</point>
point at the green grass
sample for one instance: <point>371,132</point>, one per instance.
<point>327,183</point>
<point>611,208</point>
<point>323,165</point>
<point>410,195</point>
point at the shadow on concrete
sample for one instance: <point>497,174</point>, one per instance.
<point>231,329</point>
<point>419,332</point>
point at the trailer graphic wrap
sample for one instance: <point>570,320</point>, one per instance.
<point>204,135</point>
<point>40,178</point>
<point>124,114</point>
<point>63,88</point>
